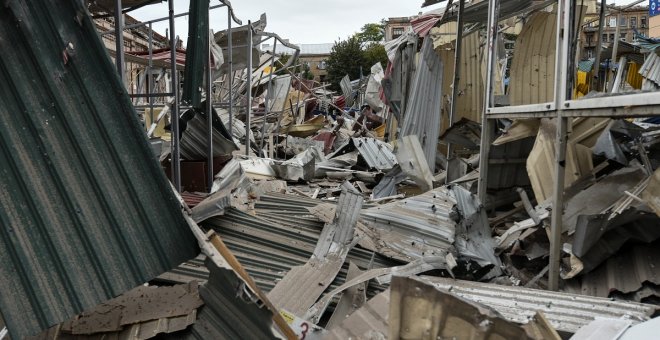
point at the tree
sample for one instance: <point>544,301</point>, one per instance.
<point>375,53</point>
<point>345,58</point>
<point>371,33</point>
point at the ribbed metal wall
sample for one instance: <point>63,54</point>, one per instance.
<point>85,211</point>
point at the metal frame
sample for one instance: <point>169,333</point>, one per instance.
<point>562,108</point>
<point>176,106</point>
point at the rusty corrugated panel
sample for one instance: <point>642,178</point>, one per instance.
<point>533,65</point>
<point>192,199</point>
<point>566,312</point>
<point>85,210</point>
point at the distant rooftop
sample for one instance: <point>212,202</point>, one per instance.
<point>305,49</point>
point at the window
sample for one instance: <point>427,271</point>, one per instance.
<point>397,32</point>
<point>612,37</point>
<point>590,39</point>
<point>322,65</point>
<point>604,37</point>
<point>612,21</point>
<point>623,22</point>
<point>590,53</point>
<point>642,22</point>
<point>633,22</point>
<point>623,37</point>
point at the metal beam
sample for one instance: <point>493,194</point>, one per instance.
<point>145,23</point>
<point>249,90</point>
<point>209,110</point>
<point>175,152</point>
<point>230,72</point>
<point>457,78</point>
<point>487,125</point>
<point>119,41</point>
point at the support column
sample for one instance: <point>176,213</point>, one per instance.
<point>175,153</point>
<point>209,110</point>
<point>119,41</point>
<point>249,89</point>
<point>457,78</point>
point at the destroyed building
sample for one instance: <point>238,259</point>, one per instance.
<point>481,185</point>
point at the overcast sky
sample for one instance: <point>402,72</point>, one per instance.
<point>300,21</point>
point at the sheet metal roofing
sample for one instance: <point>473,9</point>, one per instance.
<point>305,49</point>
<point>85,211</point>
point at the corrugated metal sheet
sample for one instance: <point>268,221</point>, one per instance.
<point>347,90</point>
<point>194,138</point>
<point>269,248</point>
<point>415,227</point>
<point>624,272</point>
<point>533,66</point>
<point>227,314</point>
<point>79,220</point>
<point>566,312</point>
<point>478,10</point>
<point>367,321</point>
<point>650,70</point>
<point>422,116</point>
<point>377,154</point>
<point>197,54</point>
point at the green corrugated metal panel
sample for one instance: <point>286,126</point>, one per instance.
<point>196,52</point>
<point>85,211</point>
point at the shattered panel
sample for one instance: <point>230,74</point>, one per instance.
<point>419,310</point>
<point>422,116</point>
<point>652,192</point>
<point>566,312</point>
<point>368,322</point>
<point>415,227</point>
<point>80,224</point>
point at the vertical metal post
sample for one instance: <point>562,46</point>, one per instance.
<point>149,77</point>
<point>230,71</point>
<point>562,87</point>
<point>595,83</point>
<point>249,89</point>
<point>269,96</point>
<point>487,125</point>
<point>457,78</point>
<point>176,159</point>
<point>615,49</point>
<point>119,40</point>
<point>209,110</point>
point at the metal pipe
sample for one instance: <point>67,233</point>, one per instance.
<point>249,89</point>
<point>599,48</point>
<point>176,157</point>
<point>149,76</point>
<point>119,41</point>
<point>457,71</point>
<point>615,50</point>
<point>565,25</point>
<point>144,23</point>
<point>487,125</point>
<point>268,97</point>
<point>230,72</point>
<point>209,111</point>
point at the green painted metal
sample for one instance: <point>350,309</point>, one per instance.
<point>86,213</point>
<point>196,52</point>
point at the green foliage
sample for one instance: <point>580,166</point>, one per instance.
<point>374,53</point>
<point>345,58</point>
<point>371,33</point>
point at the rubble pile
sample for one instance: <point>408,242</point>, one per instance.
<point>337,215</point>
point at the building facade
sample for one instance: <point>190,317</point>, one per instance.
<point>394,27</point>
<point>654,26</point>
<point>630,20</point>
<point>314,56</point>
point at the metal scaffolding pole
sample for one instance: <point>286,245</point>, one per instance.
<point>488,124</point>
<point>176,160</point>
<point>269,96</point>
<point>209,110</point>
<point>249,89</point>
<point>457,78</point>
<point>148,78</point>
<point>230,72</point>
<point>119,40</point>
<point>562,86</point>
